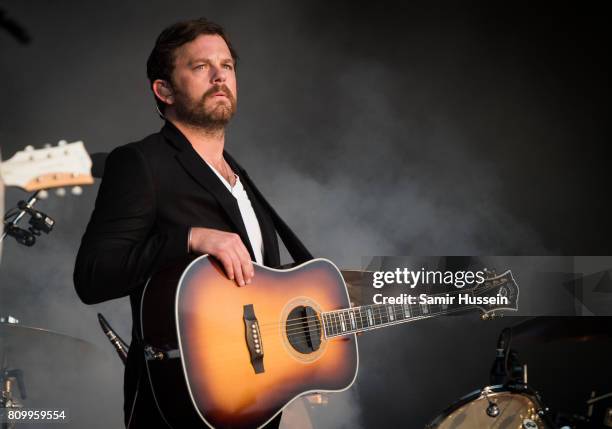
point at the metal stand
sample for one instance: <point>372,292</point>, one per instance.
<point>9,377</point>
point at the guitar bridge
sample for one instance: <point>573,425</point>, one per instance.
<point>253,338</point>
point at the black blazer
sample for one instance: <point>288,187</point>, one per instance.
<point>152,192</point>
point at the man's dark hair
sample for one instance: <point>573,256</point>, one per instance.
<point>161,60</point>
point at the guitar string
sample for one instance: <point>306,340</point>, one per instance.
<point>335,329</point>
<point>378,308</point>
<point>375,308</point>
<point>357,318</point>
<point>380,325</point>
<point>372,306</point>
<point>343,335</point>
<point>335,319</point>
<point>301,337</point>
<point>340,336</point>
<point>338,313</point>
<point>332,312</point>
<point>307,319</point>
<point>298,337</point>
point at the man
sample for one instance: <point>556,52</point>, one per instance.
<point>177,192</point>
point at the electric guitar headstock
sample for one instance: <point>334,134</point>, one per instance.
<point>66,164</point>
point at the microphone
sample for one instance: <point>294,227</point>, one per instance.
<point>38,220</point>
<point>120,346</point>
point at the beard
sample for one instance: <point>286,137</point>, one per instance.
<point>207,113</point>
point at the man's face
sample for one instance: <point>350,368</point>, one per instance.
<point>204,82</point>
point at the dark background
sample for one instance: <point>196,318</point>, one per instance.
<point>374,129</point>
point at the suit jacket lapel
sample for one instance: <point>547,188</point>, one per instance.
<point>197,168</point>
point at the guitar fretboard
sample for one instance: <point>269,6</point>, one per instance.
<point>367,317</point>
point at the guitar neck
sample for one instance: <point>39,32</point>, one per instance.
<point>367,317</point>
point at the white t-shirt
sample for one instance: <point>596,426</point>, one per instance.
<point>246,211</point>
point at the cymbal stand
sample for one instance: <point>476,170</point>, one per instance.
<point>9,377</point>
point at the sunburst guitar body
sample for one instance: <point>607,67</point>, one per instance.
<point>234,357</point>
<point>224,356</point>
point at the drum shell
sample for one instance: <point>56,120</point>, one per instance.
<point>516,404</point>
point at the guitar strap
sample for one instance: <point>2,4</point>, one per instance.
<point>294,246</point>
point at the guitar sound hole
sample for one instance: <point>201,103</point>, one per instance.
<point>303,329</point>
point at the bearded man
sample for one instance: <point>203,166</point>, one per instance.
<point>177,193</point>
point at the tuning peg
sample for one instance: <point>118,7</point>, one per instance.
<point>76,190</point>
<point>29,148</point>
<point>47,145</point>
<point>489,273</point>
<point>42,194</point>
<point>60,192</point>
<point>62,143</point>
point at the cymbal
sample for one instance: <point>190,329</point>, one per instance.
<point>60,372</point>
<point>17,338</point>
<point>41,350</point>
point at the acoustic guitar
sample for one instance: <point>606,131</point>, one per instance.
<point>234,357</point>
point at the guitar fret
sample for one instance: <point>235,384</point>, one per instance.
<point>325,330</point>
<point>347,320</point>
<point>424,308</point>
<point>352,317</point>
<point>390,313</point>
<point>397,311</point>
<point>415,310</point>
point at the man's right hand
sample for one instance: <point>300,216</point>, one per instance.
<point>228,248</point>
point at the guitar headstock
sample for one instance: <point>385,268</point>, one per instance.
<point>67,164</point>
<point>495,286</point>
